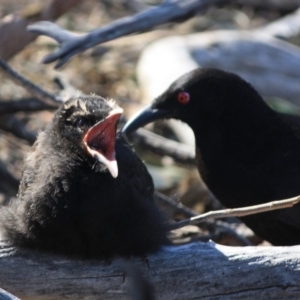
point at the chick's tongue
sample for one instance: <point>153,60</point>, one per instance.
<point>101,137</point>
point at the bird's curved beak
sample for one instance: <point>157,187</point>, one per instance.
<point>100,140</point>
<point>143,117</point>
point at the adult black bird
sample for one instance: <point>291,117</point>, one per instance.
<point>247,153</point>
<point>84,192</point>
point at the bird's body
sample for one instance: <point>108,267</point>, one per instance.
<point>247,153</point>
<point>68,201</point>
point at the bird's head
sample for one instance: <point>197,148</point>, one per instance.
<point>87,125</point>
<point>201,95</point>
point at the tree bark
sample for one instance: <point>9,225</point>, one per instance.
<point>198,270</point>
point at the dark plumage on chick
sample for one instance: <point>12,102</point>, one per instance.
<point>247,153</point>
<point>84,192</point>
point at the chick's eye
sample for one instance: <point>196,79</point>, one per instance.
<point>183,97</point>
<point>81,123</point>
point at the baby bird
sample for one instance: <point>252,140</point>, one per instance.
<point>84,192</point>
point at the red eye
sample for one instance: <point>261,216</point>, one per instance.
<point>183,97</point>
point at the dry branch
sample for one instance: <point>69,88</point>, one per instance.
<point>169,11</point>
<point>199,270</point>
<point>32,88</point>
<point>11,124</point>
<point>71,44</point>
<point>238,212</point>
<point>24,105</point>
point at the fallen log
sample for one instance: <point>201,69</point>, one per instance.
<point>198,270</point>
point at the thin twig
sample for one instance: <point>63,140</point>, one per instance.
<point>24,105</point>
<point>13,125</point>
<point>31,87</point>
<point>237,212</point>
<point>172,205</point>
<point>72,44</point>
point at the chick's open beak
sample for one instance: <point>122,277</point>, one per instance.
<point>100,141</point>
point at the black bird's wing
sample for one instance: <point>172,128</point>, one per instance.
<point>243,177</point>
<point>292,183</point>
<point>293,122</point>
